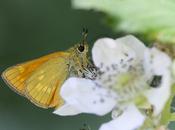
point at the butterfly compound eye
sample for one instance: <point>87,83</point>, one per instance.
<point>81,48</point>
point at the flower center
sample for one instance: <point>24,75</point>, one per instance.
<point>124,80</point>
<point>127,85</point>
<point>130,85</point>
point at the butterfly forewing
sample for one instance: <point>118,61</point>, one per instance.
<point>19,77</point>
<point>43,86</point>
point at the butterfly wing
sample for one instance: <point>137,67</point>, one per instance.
<point>43,86</point>
<point>16,76</point>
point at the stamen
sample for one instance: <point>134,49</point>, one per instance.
<point>126,54</point>
<point>89,73</point>
<point>126,80</point>
<point>102,100</point>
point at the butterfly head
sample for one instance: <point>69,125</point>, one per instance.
<point>82,46</point>
<point>79,54</point>
<point>80,50</point>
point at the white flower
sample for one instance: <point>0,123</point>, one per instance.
<point>129,120</point>
<point>127,71</point>
<point>88,99</point>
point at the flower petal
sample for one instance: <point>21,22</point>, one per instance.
<point>87,97</point>
<point>136,45</point>
<point>67,110</point>
<point>107,52</point>
<point>158,63</point>
<point>123,52</point>
<point>131,119</point>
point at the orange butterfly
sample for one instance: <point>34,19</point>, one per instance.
<point>40,80</point>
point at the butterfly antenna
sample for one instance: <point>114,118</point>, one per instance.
<point>84,35</point>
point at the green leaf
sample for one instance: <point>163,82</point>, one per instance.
<point>166,115</point>
<point>173,68</point>
<point>154,18</point>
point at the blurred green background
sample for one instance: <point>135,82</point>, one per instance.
<point>32,28</point>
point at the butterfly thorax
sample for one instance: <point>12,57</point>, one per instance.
<point>78,60</point>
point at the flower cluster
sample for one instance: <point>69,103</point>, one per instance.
<point>133,82</point>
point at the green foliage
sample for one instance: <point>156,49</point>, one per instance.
<point>166,115</point>
<point>153,18</point>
